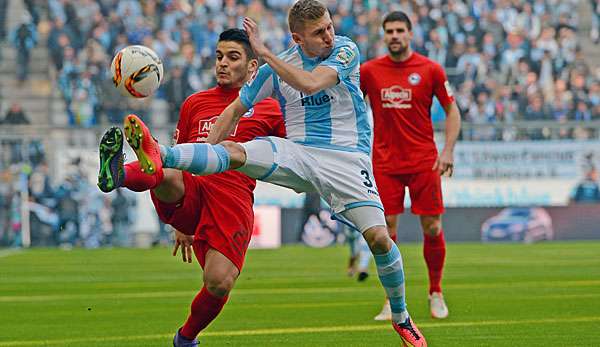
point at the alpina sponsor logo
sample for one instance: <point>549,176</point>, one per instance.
<point>206,125</point>
<point>395,97</point>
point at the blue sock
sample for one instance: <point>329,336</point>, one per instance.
<point>197,158</point>
<point>391,275</point>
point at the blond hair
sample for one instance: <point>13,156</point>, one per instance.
<point>305,11</point>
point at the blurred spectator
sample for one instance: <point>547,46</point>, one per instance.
<point>3,11</point>
<point>24,38</point>
<point>15,115</point>
<point>177,90</point>
<point>588,190</point>
<point>595,28</point>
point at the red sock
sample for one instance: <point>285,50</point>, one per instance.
<point>138,181</point>
<point>205,309</point>
<point>434,251</point>
<point>394,237</point>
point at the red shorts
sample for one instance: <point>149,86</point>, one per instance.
<point>425,189</point>
<point>218,216</point>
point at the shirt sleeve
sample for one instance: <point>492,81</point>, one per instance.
<point>344,59</point>
<point>259,87</point>
<point>441,86</point>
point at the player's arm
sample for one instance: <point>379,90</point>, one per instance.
<point>227,122</point>
<point>445,161</point>
<point>322,77</point>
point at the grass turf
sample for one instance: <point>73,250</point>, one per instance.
<point>498,295</point>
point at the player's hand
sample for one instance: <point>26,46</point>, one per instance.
<point>253,35</point>
<point>185,241</point>
<point>444,163</point>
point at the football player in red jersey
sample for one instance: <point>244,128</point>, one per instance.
<point>217,209</point>
<point>400,87</point>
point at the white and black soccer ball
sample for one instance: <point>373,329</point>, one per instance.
<point>136,71</point>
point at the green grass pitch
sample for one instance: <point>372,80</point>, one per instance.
<point>499,295</point>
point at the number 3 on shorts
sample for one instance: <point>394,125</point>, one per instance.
<point>367,181</point>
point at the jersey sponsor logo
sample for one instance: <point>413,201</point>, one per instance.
<point>414,78</point>
<point>175,137</point>
<point>345,56</point>
<point>396,97</point>
<point>206,125</point>
<point>448,89</point>
<point>315,100</point>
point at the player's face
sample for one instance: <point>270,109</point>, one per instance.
<point>397,37</point>
<point>232,67</point>
<point>317,38</point>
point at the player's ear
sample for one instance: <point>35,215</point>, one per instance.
<point>252,66</point>
<point>297,38</point>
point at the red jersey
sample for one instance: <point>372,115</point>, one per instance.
<point>200,111</point>
<point>401,95</point>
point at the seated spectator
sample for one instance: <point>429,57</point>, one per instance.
<point>15,115</point>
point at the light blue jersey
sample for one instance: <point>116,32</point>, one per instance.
<point>334,118</point>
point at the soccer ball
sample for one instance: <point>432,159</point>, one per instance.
<point>136,71</point>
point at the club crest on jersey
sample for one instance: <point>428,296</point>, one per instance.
<point>345,56</point>
<point>414,78</point>
<point>249,113</point>
<point>396,97</point>
<point>205,126</point>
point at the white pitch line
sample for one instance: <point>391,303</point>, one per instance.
<point>8,252</point>
<point>275,291</point>
<point>301,330</point>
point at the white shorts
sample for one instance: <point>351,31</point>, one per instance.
<point>343,179</point>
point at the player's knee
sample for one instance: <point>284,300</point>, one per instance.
<point>219,284</point>
<point>378,239</point>
<point>237,154</point>
<point>432,226</point>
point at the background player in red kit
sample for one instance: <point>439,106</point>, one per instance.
<point>216,209</point>
<point>400,87</point>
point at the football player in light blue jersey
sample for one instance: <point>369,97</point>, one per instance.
<point>327,148</point>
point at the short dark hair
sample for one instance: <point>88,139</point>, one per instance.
<point>397,16</point>
<point>240,36</point>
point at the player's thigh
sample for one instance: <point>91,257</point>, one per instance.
<point>425,190</point>
<point>365,217</point>
<point>391,190</point>
<point>344,179</point>
<point>278,161</point>
<point>172,187</point>
<point>184,214</point>
<point>226,223</point>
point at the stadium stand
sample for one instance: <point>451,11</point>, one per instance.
<point>520,69</point>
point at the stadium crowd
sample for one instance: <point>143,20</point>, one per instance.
<point>506,60</point>
<point>72,213</point>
